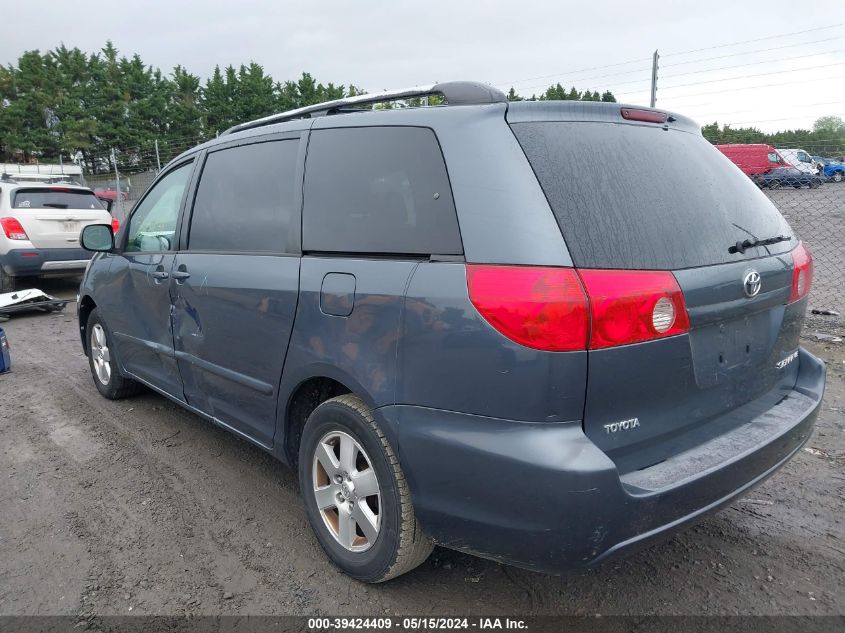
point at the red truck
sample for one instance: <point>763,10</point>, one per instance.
<point>754,158</point>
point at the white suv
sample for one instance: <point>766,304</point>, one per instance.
<point>40,226</point>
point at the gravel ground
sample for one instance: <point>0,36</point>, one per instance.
<point>139,507</point>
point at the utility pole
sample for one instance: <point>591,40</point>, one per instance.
<point>654,79</point>
<point>117,200</point>
<point>158,160</point>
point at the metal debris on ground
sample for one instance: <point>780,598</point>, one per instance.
<point>29,300</point>
<point>825,338</point>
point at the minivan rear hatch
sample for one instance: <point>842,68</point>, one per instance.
<point>636,196</point>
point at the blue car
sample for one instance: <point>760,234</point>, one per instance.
<point>787,177</point>
<point>459,333</point>
<point>832,170</point>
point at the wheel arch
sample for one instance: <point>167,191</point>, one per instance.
<point>84,309</point>
<point>309,393</point>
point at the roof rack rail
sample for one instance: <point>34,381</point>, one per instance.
<point>455,92</point>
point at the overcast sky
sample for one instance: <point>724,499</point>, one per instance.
<point>378,45</point>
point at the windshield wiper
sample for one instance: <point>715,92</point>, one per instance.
<point>740,247</point>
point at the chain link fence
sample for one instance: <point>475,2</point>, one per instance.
<point>809,190</point>
<point>122,175</point>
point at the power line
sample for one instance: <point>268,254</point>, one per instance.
<point>712,92</point>
<point>512,83</point>
<point>696,61</point>
<point>705,70</point>
<point>710,70</point>
<point>759,50</point>
<point>788,118</point>
<point>768,61</point>
<point>759,39</point>
<point>710,81</point>
<point>797,105</point>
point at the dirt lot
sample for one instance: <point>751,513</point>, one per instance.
<point>138,507</point>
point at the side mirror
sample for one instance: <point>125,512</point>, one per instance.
<point>98,238</point>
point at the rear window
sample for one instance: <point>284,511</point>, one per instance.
<point>637,197</point>
<point>379,190</point>
<point>54,199</point>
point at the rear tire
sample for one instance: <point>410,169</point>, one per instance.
<point>7,282</point>
<point>815,184</point>
<point>391,542</point>
<point>838,176</point>
<point>102,362</point>
<point>774,185</point>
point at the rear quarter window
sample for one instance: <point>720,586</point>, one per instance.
<point>379,190</point>
<point>641,197</point>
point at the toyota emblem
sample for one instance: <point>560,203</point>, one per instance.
<point>751,283</point>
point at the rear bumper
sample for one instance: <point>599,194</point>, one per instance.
<point>44,261</point>
<point>544,497</point>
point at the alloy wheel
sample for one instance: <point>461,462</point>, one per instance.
<point>347,491</point>
<point>100,355</point>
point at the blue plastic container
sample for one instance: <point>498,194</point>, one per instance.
<point>5,361</point>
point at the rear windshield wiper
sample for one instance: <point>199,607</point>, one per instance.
<point>740,247</point>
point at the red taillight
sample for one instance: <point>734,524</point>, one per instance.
<point>547,308</point>
<point>13,229</point>
<point>802,273</point>
<point>115,225</point>
<point>541,308</point>
<point>649,116</point>
<point>629,306</point>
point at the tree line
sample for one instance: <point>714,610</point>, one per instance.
<point>827,138</point>
<point>76,105</point>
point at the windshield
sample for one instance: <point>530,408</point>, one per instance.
<point>641,197</point>
<point>55,199</point>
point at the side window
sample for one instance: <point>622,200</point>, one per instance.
<point>245,199</point>
<point>378,190</point>
<point>152,227</point>
<point>774,157</point>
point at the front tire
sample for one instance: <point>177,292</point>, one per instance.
<point>356,496</point>
<point>837,176</point>
<point>101,360</point>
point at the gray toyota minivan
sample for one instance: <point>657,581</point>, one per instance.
<point>543,333</point>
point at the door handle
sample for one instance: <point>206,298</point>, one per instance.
<point>160,274</point>
<point>181,275</point>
